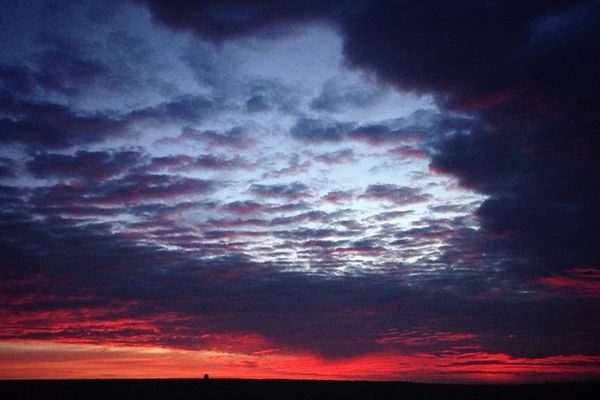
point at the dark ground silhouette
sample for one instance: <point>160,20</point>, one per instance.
<point>283,389</point>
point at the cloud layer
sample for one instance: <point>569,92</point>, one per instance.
<point>179,189</point>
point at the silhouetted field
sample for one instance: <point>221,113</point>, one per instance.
<point>282,389</point>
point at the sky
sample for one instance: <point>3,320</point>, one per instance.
<point>338,189</point>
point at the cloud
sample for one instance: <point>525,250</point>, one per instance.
<point>388,215</point>
<point>98,257</point>
<point>404,151</point>
<point>417,129</point>
<point>48,125</point>
<point>58,68</point>
<point>335,97</point>
<point>336,157</point>
<point>413,56</point>
<point>309,216</point>
<point>515,69</point>
<point>7,168</point>
<point>184,162</point>
<point>63,69</point>
<point>338,196</point>
<point>59,64</point>
<point>122,174</point>
<point>132,188</point>
<point>581,281</point>
<point>184,109</point>
<point>257,103</point>
<point>295,167</point>
<point>529,151</point>
<point>99,165</point>
<point>234,138</point>
<point>17,79</point>
<point>399,195</point>
<point>318,131</point>
<point>188,292</point>
<point>232,19</point>
<point>265,95</point>
<point>243,207</point>
<point>290,191</point>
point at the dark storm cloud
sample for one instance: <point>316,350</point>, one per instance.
<point>527,72</point>
<point>472,50</point>
<point>228,19</point>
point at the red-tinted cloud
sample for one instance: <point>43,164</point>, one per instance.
<point>47,360</point>
<point>579,281</point>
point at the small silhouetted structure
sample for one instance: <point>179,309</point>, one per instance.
<point>205,377</point>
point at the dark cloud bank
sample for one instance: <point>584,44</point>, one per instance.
<point>526,74</point>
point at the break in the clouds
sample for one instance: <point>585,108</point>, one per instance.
<point>326,189</point>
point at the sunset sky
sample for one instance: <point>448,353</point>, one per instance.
<point>336,189</point>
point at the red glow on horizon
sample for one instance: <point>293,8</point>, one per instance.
<point>44,360</point>
<point>129,348</point>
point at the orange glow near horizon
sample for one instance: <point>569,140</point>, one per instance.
<point>46,360</point>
